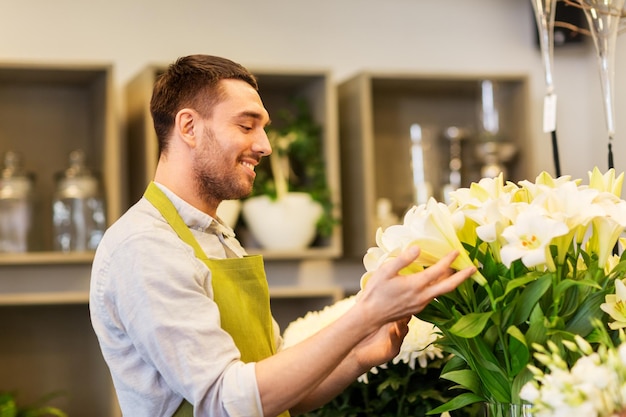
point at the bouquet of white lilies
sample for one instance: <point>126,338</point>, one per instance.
<point>544,251</point>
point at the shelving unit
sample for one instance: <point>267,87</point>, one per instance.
<point>48,342</point>
<point>377,111</point>
<point>277,88</point>
<point>47,111</point>
<point>290,303</point>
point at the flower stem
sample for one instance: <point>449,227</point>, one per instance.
<point>277,163</point>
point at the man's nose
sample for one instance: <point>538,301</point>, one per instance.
<point>262,144</point>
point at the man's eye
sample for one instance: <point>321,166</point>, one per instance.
<point>246,128</point>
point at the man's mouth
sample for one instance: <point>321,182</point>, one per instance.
<point>248,165</point>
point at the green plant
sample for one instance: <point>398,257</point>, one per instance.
<point>408,385</point>
<point>396,390</point>
<point>10,408</point>
<point>297,162</point>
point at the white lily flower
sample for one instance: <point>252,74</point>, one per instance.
<point>530,237</point>
<point>606,182</point>
<point>607,229</point>
<point>611,263</point>
<point>543,182</point>
<point>492,217</point>
<point>478,193</point>
<point>572,205</point>
<point>615,306</point>
<point>431,227</point>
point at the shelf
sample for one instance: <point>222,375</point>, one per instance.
<point>277,88</point>
<point>310,253</point>
<point>46,258</point>
<point>291,303</point>
<point>300,292</point>
<point>33,299</point>
<point>377,112</point>
<point>47,111</point>
<point>82,297</point>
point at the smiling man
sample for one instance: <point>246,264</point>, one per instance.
<point>182,314</point>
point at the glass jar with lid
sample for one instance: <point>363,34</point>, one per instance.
<point>78,208</point>
<point>16,204</point>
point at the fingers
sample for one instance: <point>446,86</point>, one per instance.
<point>445,283</point>
<point>409,294</point>
<point>401,326</point>
<point>392,268</point>
<point>442,266</point>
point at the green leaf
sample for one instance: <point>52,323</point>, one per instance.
<point>436,313</point>
<point>567,283</point>
<point>520,282</point>
<point>518,382</point>
<point>481,360</point>
<point>470,325</point>
<point>457,402</point>
<point>490,372</point>
<point>8,409</point>
<point>537,331</point>
<point>518,350</point>
<point>589,309</point>
<point>529,298</point>
<point>465,378</point>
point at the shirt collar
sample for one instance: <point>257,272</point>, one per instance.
<point>194,218</point>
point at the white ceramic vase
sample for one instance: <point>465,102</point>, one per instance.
<point>229,211</point>
<point>288,223</point>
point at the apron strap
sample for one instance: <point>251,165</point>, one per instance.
<point>157,197</point>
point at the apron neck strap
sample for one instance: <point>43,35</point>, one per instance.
<point>159,200</point>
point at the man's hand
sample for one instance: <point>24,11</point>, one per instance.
<point>383,345</point>
<point>389,296</point>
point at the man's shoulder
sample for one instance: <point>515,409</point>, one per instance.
<point>140,220</point>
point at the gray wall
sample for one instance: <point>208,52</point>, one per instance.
<point>345,36</point>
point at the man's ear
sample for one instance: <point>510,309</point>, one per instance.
<point>186,125</point>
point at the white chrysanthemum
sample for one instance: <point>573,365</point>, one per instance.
<point>305,327</point>
<point>418,345</point>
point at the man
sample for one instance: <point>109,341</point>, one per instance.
<point>182,315</point>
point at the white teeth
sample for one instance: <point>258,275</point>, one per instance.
<point>248,165</point>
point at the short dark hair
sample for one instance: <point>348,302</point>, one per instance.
<point>191,81</point>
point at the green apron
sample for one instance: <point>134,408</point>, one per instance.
<point>240,291</point>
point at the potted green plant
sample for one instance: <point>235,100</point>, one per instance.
<point>291,204</point>
<point>10,408</point>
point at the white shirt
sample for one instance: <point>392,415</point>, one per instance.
<point>152,308</point>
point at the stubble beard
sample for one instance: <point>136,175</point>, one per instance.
<point>215,180</point>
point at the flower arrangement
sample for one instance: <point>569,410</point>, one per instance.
<point>409,385</point>
<point>544,253</point>
<point>594,386</point>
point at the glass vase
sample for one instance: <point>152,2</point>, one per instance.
<point>545,12</point>
<point>603,17</point>
<point>507,410</point>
